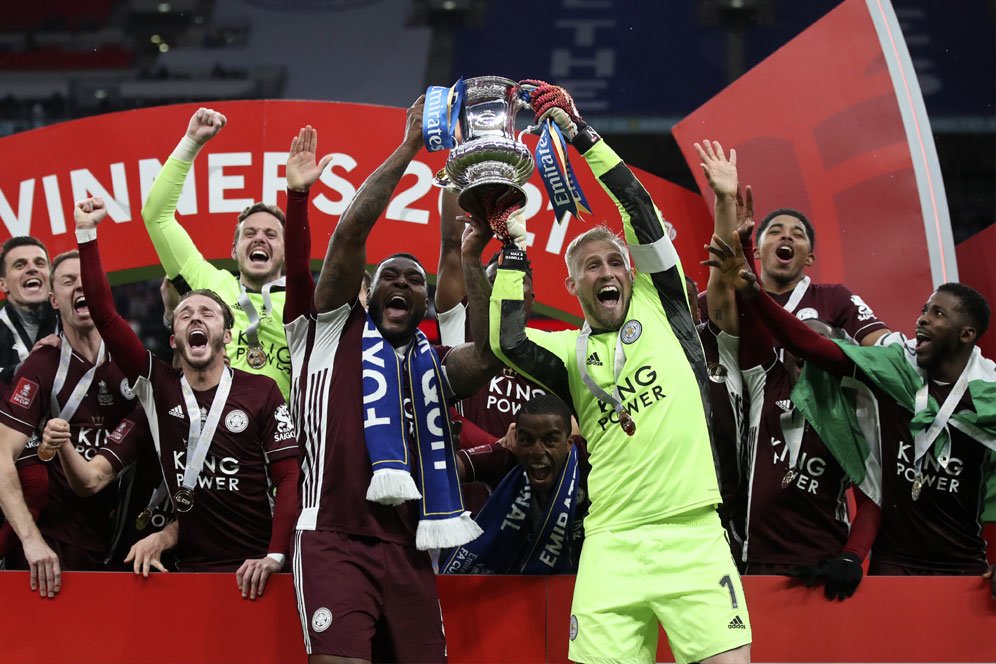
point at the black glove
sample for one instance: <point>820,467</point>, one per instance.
<point>839,575</point>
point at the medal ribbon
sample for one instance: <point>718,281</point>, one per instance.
<point>926,437</point>
<point>440,115</point>
<point>558,177</point>
<point>252,332</point>
<point>198,437</point>
<point>581,356</point>
<point>20,343</point>
<point>76,397</point>
<point>793,425</point>
<point>797,293</point>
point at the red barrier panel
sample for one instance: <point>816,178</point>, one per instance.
<point>110,618</point>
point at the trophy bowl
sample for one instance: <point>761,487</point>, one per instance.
<point>488,163</point>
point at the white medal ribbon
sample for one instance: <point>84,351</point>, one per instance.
<point>923,440</point>
<point>581,356</point>
<point>19,344</point>
<point>252,332</point>
<point>76,397</point>
<point>199,437</point>
<point>797,293</point>
<point>793,427</point>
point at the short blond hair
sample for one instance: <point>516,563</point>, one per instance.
<point>600,232</point>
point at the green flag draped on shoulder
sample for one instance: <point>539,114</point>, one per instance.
<point>844,411</point>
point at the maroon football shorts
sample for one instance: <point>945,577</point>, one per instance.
<point>364,598</point>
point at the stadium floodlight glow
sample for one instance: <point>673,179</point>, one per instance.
<point>164,7</point>
<point>163,47</point>
<point>155,39</point>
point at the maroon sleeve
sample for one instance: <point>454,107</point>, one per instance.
<point>989,534</point>
<point>853,315</point>
<point>34,486</point>
<point>121,341</point>
<point>297,258</point>
<point>283,474</point>
<point>796,336</point>
<point>756,347</point>
<point>864,529</point>
<point>277,435</point>
<point>124,443</point>
<point>488,463</point>
<point>26,406</point>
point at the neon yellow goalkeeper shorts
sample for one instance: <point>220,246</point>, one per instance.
<point>678,573</point>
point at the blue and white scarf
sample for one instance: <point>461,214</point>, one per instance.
<point>505,521</point>
<point>443,521</point>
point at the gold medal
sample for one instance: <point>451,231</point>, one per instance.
<point>46,452</point>
<point>143,519</point>
<point>789,477</point>
<point>627,423</point>
<point>917,487</point>
<point>256,357</point>
<point>183,499</point>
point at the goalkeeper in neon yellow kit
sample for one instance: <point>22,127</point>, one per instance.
<point>654,549</point>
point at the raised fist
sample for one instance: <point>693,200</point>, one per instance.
<point>555,103</point>
<point>204,125</point>
<point>89,213</point>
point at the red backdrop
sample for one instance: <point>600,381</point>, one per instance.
<point>117,155</point>
<point>832,124</point>
<point>108,618</point>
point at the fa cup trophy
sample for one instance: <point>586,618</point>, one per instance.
<point>486,166</point>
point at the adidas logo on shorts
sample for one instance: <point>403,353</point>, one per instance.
<point>784,404</point>
<point>737,623</point>
<point>176,411</point>
<point>593,360</point>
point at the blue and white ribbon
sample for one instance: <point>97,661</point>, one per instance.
<point>558,177</point>
<point>440,116</point>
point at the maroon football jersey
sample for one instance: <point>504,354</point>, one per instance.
<point>807,520</point>
<point>326,395</point>
<point>941,531</point>
<point>84,523</point>
<point>232,513</point>
<point>495,405</point>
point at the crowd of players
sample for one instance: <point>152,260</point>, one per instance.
<point>311,427</point>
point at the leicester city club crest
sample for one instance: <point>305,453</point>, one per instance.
<point>631,331</point>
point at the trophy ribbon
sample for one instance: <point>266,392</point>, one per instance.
<point>793,425</point>
<point>557,174</point>
<point>256,356</point>
<point>67,411</point>
<point>614,399</point>
<point>440,115</point>
<point>199,437</point>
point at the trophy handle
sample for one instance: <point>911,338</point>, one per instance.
<point>443,181</point>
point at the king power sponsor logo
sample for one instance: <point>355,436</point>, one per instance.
<point>217,474</point>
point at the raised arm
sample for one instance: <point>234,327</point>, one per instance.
<point>470,366</point>
<point>450,289</point>
<point>302,172</point>
<point>346,258</point>
<point>722,176</point>
<point>172,243</point>
<point>121,341</point>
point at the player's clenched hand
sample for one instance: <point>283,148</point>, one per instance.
<point>89,213</point>
<point>146,554</point>
<point>46,575</point>
<point>555,103</point>
<point>302,168</point>
<point>204,125</point>
<point>413,125</point>
<point>509,441</point>
<point>55,434</point>
<point>253,574</point>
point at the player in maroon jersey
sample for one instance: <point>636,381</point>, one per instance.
<point>364,591</point>
<point>74,382</point>
<point>224,436</point>
<point>931,507</point>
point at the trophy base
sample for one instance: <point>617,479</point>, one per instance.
<point>480,198</point>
